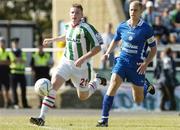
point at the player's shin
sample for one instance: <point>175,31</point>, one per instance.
<point>92,87</point>
<point>107,104</point>
<point>95,83</point>
<point>48,102</point>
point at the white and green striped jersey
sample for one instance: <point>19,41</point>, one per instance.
<point>80,40</point>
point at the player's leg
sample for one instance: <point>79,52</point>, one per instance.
<point>117,77</point>
<point>115,83</point>
<point>138,96</point>
<point>86,92</point>
<point>139,90</point>
<point>60,75</point>
<point>138,93</point>
<point>48,101</point>
<point>138,80</point>
<point>85,89</point>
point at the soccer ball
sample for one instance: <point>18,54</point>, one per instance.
<point>42,87</point>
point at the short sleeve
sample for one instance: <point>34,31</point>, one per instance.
<point>117,35</point>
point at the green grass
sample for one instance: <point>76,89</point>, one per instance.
<point>134,122</point>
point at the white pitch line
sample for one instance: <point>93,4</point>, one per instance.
<point>47,127</point>
<point>52,128</point>
<point>41,127</point>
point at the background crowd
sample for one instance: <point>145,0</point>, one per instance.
<point>12,68</point>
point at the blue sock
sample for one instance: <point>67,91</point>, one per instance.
<point>145,89</point>
<point>107,104</point>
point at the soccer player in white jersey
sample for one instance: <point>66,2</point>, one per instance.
<point>82,42</point>
<point>136,37</point>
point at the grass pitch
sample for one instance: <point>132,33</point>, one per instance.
<point>86,120</point>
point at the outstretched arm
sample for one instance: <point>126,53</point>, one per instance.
<point>47,41</point>
<point>110,49</point>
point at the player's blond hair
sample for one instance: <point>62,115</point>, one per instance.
<point>138,3</point>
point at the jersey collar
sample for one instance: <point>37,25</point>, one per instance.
<point>139,23</point>
<point>73,26</point>
<point>77,23</point>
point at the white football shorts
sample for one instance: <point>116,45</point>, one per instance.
<point>80,77</point>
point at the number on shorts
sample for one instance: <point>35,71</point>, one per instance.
<point>84,82</point>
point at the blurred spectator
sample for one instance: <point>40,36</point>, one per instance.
<point>161,33</point>
<point>175,18</point>
<point>161,4</point>
<point>173,38</point>
<point>165,72</point>
<point>145,1</point>
<point>166,21</point>
<point>149,14</point>
<point>107,38</point>
<point>41,62</point>
<point>126,8</point>
<point>17,66</point>
<point>4,71</point>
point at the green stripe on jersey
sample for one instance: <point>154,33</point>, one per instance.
<point>79,47</point>
<point>70,46</point>
<point>88,43</point>
<point>94,38</point>
<point>95,32</point>
<point>80,40</point>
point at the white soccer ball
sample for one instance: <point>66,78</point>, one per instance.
<point>42,87</point>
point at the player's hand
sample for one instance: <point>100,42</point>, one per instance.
<point>79,62</point>
<point>47,41</point>
<point>142,68</point>
<point>105,57</point>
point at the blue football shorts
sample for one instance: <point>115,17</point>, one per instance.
<point>126,71</point>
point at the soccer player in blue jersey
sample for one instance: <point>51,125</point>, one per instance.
<point>136,36</point>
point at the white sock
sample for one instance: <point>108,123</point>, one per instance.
<point>48,102</point>
<point>97,80</point>
<point>93,86</point>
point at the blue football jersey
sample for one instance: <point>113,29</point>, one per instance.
<point>135,41</point>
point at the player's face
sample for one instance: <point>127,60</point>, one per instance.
<point>134,11</point>
<point>76,15</point>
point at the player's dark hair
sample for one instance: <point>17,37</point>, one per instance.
<point>79,6</point>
